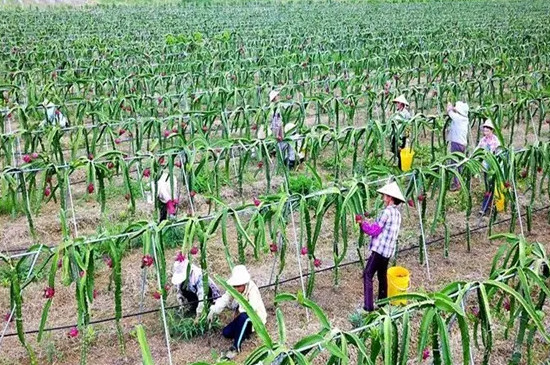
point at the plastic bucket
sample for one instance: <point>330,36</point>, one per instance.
<point>398,283</point>
<point>407,155</point>
<point>500,200</point>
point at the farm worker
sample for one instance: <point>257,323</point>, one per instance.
<point>399,131</point>
<point>384,232</point>
<point>167,197</point>
<point>278,131</point>
<point>489,142</point>
<point>54,115</point>
<point>290,156</point>
<point>458,132</point>
<point>241,327</point>
<point>187,278</point>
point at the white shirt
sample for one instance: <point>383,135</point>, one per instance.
<point>458,132</point>
<point>251,294</point>
<point>165,189</point>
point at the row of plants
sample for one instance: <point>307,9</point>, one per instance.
<point>203,110</point>
<point>209,166</point>
<point>76,45</point>
<point>141,101</point>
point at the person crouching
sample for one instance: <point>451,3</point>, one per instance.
<point>188,280</point>
<point>241,327</point>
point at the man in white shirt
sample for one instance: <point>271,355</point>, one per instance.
<point>458,132</point>
<point>241,326</point>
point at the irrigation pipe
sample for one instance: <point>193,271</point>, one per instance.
<point>130,315</point>
<point>399,313</point>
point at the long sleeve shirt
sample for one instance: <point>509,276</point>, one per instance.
<point>385,242</point>
<point>165,189</point>
<point>458,131</point>
<point>400,129</point>
<point>488,143</point>
<point>195,285</point>
<point>251,294</point>
<point>277,124</point>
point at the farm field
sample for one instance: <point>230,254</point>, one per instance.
<point>99,100</point>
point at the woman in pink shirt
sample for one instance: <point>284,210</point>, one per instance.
<point>488,142</point>
<point>384,233</point>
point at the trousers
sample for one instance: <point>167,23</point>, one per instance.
<point>193,299</point>
<point>397,144</point>
<point>239,330</point>
<point>457,147</point>
<point>376,264</point>
<point>163,213</point>
<point>488,197</point>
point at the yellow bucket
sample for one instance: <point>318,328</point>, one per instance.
<point>407,155</point>
<point>398,283</point>
<point>500,200</point>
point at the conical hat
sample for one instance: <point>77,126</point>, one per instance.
<point>392,189</point>
<point>289,127</point>
<point>489,124</point>
<point>179,272</point>
<point>48,104</point>
<point>462,108</point>
<point>401,99</point>
<point>273,94</point>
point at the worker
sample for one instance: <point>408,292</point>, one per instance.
<point>53,115</point>
<point>188,280</point>
<point>384,232</point>
<point>240,327</point>
<point>458,133</point>
<point>399,125</point>
<point>279,130</point>
<point>489,142</point>
<point>167,196</point>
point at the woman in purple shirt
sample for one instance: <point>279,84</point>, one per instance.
<point>383,244</point>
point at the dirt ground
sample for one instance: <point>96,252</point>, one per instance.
<point>338,302</point>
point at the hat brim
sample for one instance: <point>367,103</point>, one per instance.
<point>289,127</point>
<point>401,99</point>
<point>394,192</point>
<point>238,281</point>
<point>262,132</point>
<point>177,279</point>
<point>273,96</point>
